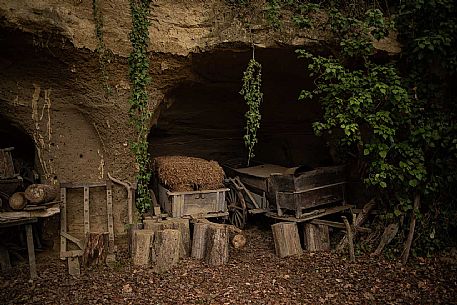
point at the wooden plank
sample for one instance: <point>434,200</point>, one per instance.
<point>4,223</point>
<point>74,267</point>
<point>169,193</point>
<point>324,212</point>
<point>86,211</point>
<point>31,214</point>
<point>338,225</point>
<point>72,253</point>
<point>31,251</point>
<point>109,212</point>
<point>63,221</point>
<point>69,185</point>
<point>77,241</point>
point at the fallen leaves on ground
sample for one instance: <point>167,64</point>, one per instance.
<point>254,275</point>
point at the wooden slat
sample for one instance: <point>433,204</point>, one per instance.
<point>31,251</point>
<point>31,214</point>
<point>63,221</point>
<point>318,214</point>
<point>197,192</point>
<point>86,211</point>
<point>109,212</point>
<point>72,253</point>
<point>82,185</point>
<point>77,241</point>
<point>338,225</point>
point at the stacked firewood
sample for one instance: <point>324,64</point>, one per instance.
<point>35,195</point>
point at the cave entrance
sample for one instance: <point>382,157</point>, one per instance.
<point>204,116</point>
<point>23,155</point>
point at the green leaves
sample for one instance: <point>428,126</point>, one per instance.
<point>251,91</point>
<point>139,111</point>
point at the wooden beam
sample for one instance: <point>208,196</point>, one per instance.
<point>72,253</point>
<point>82,185</point>
<point>338,225</point>
<point>31,251</point>
<point>318,214</point>
<point>63,221</point>
<point>86,211</point>
<point>77,241</point>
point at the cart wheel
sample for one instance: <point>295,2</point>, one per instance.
<point>236,205</point>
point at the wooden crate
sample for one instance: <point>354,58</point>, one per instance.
<point>311,189</point>
<point>206,203</point>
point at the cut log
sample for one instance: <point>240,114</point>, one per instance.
<point>41,193</point>
<point>217,246</point>
<point>130,232</point>
<point>167,244</point>
<point>359,220</point>
<point>17,201</point>
<point>141,247</point>
<point>96,248</point>
<point>386,238</point>
<point>350,239</point>
<point>199,240</point>
<point>238,241</point>
<point>316,237</point>
<point>180,224</point>
<point>286,239</point>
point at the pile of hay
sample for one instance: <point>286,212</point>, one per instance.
<point>180,174</point>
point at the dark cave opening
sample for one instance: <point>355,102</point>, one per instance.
<point>204,117</point>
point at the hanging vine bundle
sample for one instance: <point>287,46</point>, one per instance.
<point>252,81</point>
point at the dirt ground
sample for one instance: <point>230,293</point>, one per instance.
<point>254,275</point>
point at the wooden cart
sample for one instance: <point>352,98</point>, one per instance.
<point>279,191</point>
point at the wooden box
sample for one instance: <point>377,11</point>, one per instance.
<point>206,203</point>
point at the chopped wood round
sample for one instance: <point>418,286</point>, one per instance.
<point>286,238</point>
<point>17,201</point>
<point>41,193</point>
<point>166,249</point>
<point>217,246</point>
<point>238,241</point>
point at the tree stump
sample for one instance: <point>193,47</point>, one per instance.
<point>96,248</point>
<point>141,247</point>
<point>286,239</point>
<point>316,237</point>
<point>41,193</point>
<point>217,245</point>
<point>199,240</point>
<point>17,201</point>
<point>167,244</point>
<point>180,224</point>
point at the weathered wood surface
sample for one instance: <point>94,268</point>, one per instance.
<point>412,226</point>
<point>41,193</point>
<point>141,247</point>
<point>199,240</point>
<point>166,254</point>
<point>389,233</point>
<point>96,248</point>
<point>180,224</point>
<point>359,220</point>
<point>130,234</point>
<point>350,239</point>
<point>17,201</point>
<point>316,237</point>
<point>286,239</point>
<point>74,267</point>
<point>217,245</point>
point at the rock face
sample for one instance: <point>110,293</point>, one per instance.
<point>52,92</point>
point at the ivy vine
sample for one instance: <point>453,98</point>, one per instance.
<point>251,91</point>
<point>103,54</point>
<point>139,101</point>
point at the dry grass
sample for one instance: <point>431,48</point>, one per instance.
<point>179,173</point>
